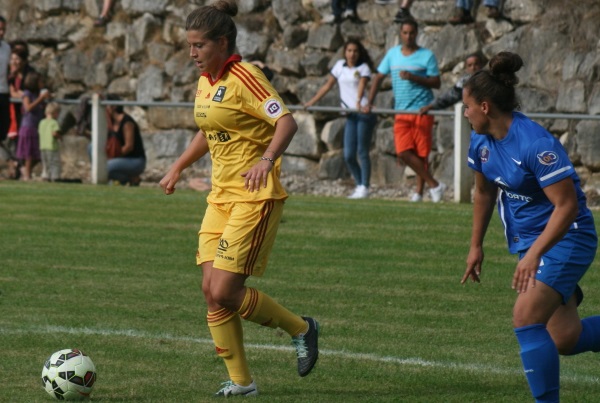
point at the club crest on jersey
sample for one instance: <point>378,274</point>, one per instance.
<point>547,158</point>
<point>273,108</point>
<point>484,154</point>
<point>220,94</point>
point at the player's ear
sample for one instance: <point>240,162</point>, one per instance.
<point>223,43</point>
<point>485,107</point>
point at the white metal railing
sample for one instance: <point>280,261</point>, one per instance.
<point>463,176</point>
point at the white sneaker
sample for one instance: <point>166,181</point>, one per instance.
<point>361,192</point>
<point>415,198</point>
<point>233,389</point>
<point>437,192</point>
<point>385,2</point>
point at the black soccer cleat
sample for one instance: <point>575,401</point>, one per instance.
<point>307,347</point>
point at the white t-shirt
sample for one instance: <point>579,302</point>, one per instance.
<point>4,60</point>
<point>348,79</point>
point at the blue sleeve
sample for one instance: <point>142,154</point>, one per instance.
<point>549,161</point>
<point>473,158</point>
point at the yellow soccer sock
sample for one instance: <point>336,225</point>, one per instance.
<point>226,330</point>
<point>259,308</point>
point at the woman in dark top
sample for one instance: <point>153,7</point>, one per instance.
<point>129,166</point>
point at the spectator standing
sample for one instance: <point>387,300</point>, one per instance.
<point>524,170</point>
<point>352,74</point>
<point>473,63</point>
<point>414,71</point>
<point>19,69</point>
<point>246,127</point>
<point>49,131</point>
<point>4,88</point>
<point>34,104</point>
<point>131,163</point>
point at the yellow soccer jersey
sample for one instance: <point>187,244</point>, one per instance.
<point>237,114</point>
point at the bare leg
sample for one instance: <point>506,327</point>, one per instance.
<point>107,4</point>
<point>418,165</point>
<point>565,326</point>
<point>27,169</point>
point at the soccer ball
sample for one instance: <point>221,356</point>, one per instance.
<point>69,374</point>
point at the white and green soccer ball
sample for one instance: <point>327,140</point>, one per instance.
<point>69,374</point>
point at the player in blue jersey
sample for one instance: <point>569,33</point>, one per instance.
<point>527,172</point>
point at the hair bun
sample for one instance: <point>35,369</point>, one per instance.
<point>503,67</point>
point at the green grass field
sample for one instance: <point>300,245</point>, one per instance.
<point>111,270</point>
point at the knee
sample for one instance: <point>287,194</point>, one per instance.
<point>404,156</point>
<point>222,297</point>
<point>207,294</point>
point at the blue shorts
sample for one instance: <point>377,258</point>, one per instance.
<point>565,264</point>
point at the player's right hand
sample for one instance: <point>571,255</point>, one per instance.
<point>169,181</point>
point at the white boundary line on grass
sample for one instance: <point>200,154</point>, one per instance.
<point>336,353</point>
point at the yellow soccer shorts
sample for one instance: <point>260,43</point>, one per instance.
<point>239,236</point>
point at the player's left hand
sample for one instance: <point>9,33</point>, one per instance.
<point>525,271</point>
<point>257,175</point>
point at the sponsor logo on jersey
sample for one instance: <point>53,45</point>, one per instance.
<point>198,93</point>
<point>511,195</point>
<point>273,108</point>
<point>547,158</point>
<point>516,196</point>
<point>221,137</point>
<point>200,114</point>
<point>484,154</point>
<point>220,94</point>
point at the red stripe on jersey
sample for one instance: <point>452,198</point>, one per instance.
<point>250,81</point>
<point>258,237</point>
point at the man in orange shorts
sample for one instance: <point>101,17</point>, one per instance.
<point>414,71</point>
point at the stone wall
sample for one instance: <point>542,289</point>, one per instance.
<point>142,55</point>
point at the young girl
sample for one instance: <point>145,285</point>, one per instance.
<point>352,74</point>
<point>34,103</point>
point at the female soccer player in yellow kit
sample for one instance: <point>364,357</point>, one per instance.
<point>246,128</point>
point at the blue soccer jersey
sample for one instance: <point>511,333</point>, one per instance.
<point>527,160</point>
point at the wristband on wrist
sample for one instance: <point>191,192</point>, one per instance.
<point>271,160</point>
